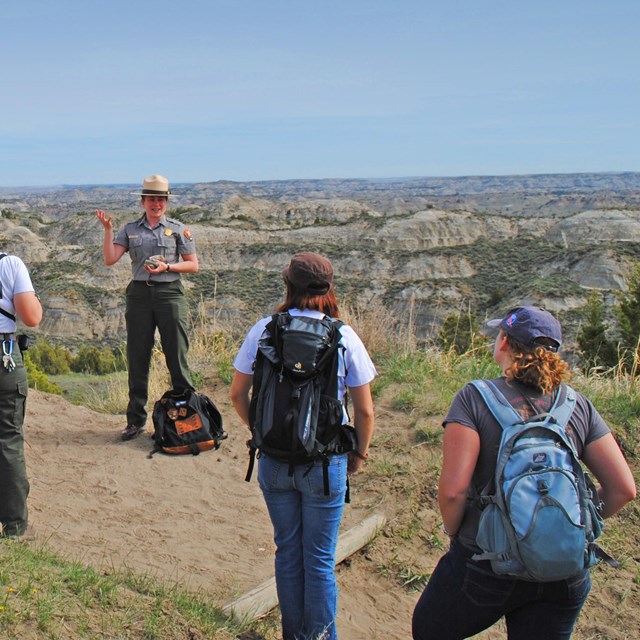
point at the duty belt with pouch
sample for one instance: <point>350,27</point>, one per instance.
<point>22,339</point>
<point>8,340</point>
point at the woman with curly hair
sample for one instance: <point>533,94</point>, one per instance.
<point>464,595</point>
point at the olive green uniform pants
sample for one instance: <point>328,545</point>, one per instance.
<point>150,305</point>
<point>14,485</point>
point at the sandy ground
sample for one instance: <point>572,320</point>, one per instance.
<point>190,520</point>
<point>195,521</point>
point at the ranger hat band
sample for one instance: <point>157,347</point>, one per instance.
<point>528,324</point>
<point>154,186</point>
<point>309,272</point>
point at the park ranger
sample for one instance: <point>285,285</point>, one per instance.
<point>155,295</point>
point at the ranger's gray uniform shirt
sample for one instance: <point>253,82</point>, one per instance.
<point>170,238</point>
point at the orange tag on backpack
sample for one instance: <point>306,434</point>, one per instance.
<point>192,423</point>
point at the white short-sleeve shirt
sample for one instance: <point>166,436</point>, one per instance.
<point>14,278</point>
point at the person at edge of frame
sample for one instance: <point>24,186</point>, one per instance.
<point>17,302</point>
<point>464,596</point>
<point>306,520</point>
<point>155,296</point>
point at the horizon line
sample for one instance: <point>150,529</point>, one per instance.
<point>70,185</point>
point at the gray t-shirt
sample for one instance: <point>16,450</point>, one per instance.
<point>169,238</point>
<point>469,409</point>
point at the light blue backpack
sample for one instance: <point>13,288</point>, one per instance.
<point>539,518</point>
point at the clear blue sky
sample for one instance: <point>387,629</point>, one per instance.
<point>203,90</point>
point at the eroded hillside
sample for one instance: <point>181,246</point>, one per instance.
<point>422,247</point>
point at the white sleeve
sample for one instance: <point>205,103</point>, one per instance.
<point>358,364</point>
<point>246,357</point>
<point>17,272</point>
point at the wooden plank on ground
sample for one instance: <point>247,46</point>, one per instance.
<point>260,600</point>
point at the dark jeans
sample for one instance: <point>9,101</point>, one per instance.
<point>464,597</point>
<point>162,306</point>
<point>14,485</point>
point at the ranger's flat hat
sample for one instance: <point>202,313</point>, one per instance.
<point>154,186</point>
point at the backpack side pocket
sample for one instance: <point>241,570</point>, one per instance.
<point>491,536</point>
<point>330,416</point>
<point>493,539</point>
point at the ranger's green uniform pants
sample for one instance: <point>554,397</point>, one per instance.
<point>14,485</point>
<point>150,305</point>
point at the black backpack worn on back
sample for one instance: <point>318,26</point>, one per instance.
<point>295,414</point>
<point>187,422</point>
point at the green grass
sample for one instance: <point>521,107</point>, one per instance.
<point>80,388</point>
<point>44,596</point>
<point>404,575</point>
<point>617,399</point>
<point>426,380</point>
<point>211,356</point>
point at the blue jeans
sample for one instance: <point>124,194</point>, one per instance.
<point>305,523</point>
<point>464,596</point>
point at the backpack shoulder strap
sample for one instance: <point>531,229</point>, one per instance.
<point>506,415</point>
<point>7,314</point>
<point>270,342</point>
<point>274,328</point>
<point>334,345</point>
<point>499,406</point>
<point>564,405</point>
<point>276,320</point>
<point>4,313</point>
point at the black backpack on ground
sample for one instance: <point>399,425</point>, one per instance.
<point>295,414</point>
<point>187,422</point>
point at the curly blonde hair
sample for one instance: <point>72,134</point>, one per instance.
<point>536,366</point>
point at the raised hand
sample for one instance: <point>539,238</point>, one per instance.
<point>104,220</point>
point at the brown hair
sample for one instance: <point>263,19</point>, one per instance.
<point>536,366</point>
<point>297,299</point>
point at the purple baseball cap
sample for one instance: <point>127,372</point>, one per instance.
<point>527,324</point>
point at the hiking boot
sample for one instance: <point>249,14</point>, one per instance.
<point>131,431</point>
<point>28,534</point>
